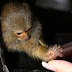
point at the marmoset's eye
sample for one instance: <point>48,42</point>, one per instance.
<point>19,33</point>
<point>28,29</point>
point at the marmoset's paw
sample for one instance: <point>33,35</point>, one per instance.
<point>54,51</point>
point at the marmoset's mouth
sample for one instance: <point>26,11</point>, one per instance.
<point>28,38</point>
<point>25,39</point>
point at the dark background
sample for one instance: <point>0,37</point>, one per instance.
<point>57,29</point>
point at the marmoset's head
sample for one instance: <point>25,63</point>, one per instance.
<point>18,20</point>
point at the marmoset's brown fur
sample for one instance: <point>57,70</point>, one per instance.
<point>22,33</point>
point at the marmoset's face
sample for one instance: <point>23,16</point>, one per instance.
<point>20,26</point>
<point>23,29</point>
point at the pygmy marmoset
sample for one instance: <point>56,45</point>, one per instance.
<point>22,32</point>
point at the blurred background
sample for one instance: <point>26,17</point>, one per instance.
<point>55,17</point>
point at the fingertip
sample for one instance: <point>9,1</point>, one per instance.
<point>48,66</point>
<point>44,64</point>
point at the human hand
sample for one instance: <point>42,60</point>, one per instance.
<point>58,66</point>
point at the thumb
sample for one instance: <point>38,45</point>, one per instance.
<point>58,66</point>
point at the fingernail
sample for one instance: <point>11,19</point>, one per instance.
<point>44,64</point>
<point>48,66</point>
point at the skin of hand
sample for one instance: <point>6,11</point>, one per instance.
<point>58,66</point>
